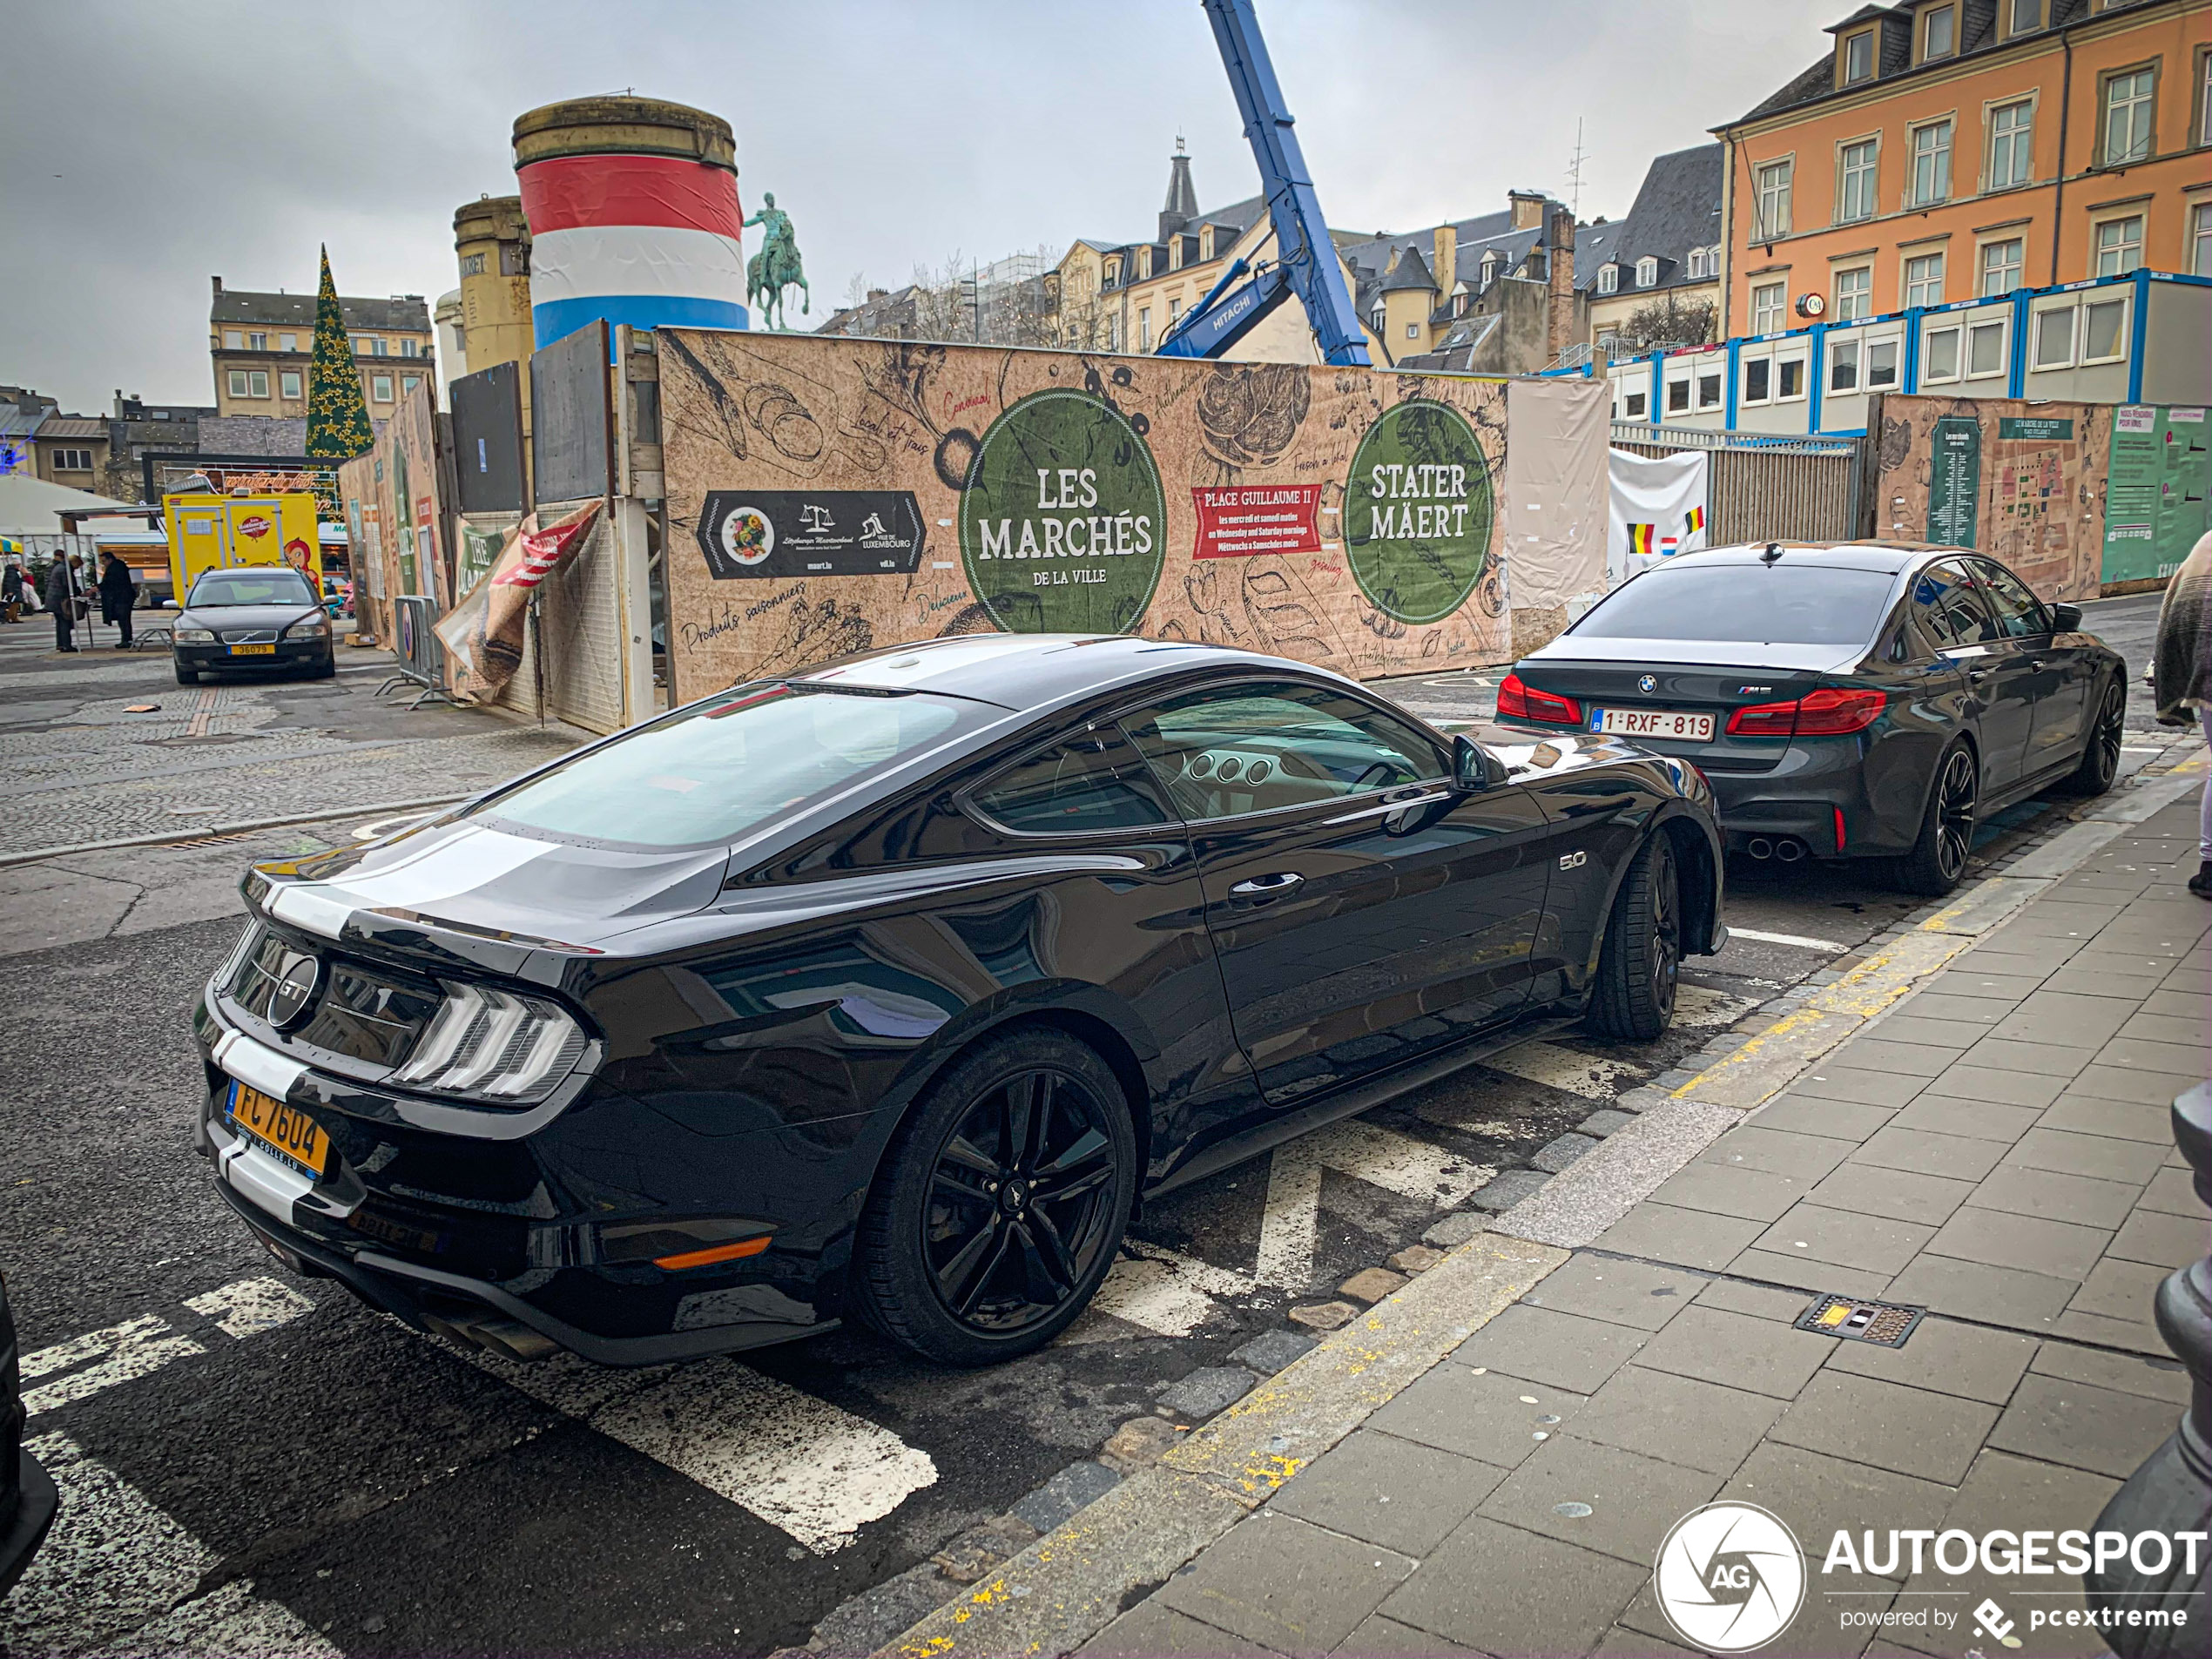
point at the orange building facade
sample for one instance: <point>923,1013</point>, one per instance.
<point>1947,149</point>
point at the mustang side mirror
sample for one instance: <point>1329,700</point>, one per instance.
<point>2065,619</point>
<point>1474,767</point>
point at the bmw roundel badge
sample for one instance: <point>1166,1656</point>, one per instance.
<point>1648,684</point>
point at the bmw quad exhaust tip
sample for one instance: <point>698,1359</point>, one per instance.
<point>1759,847</point>
<point>1789,850</point>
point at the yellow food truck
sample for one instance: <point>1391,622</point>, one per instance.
<point>210,532</point>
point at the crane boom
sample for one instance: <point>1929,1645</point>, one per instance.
<point>1306,262</point>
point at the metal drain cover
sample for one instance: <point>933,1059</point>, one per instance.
<point>1884,1323</point>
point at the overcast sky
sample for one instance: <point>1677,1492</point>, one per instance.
<point>145,147</point>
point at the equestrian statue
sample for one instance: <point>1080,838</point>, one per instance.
<point>776,266</point>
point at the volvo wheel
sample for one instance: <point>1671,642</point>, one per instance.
<point>1002,1201</point>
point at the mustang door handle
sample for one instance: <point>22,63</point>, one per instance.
<point>1266,887</point>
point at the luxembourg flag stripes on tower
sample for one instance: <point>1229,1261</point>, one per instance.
<point>646,240</point>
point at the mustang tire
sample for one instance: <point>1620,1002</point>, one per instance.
<point>1001,1201</point>
<point>1642,961</point>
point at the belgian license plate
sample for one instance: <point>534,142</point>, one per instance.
<point>254,651</point>
<point>295,1138</point>
<point>1653,723</point>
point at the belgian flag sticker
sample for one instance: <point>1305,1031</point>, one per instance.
<point>1640,537</point>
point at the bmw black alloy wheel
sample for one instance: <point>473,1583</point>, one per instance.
<point>2105,738</point>
<point>1020,1206</point>
<point>1666,930</point>
<point>1956,796</point>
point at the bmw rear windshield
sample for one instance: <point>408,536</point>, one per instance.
<point>1780,603</point>
<point>715,771</point>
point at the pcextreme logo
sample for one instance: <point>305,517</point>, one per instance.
<point>1729,1577</point>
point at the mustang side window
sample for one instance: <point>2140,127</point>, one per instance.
<point>1094,781</point>
<point>1259,746</point>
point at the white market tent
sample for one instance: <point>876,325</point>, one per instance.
<point>27,510</point>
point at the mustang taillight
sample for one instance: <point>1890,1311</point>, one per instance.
<point>1518,700</point>
<point>497,1045</point>
<point>1829,712</point>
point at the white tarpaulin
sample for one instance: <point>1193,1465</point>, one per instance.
<point>1658,509</point>
<point>1554,494</point>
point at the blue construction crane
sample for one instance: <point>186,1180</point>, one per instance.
<point>1306,260</point>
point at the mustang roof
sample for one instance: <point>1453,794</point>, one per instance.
<point>1025,671</point>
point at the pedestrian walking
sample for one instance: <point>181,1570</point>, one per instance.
<point>118,594</point>
<point>11,592</point>
<point>2180,674</point>
<point>61,599</point>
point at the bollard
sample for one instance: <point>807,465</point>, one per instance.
<point>2172,1491</point>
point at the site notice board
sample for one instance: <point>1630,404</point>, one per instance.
<point>2159,479</point>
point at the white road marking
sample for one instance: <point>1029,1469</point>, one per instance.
<point>126,1351</point>
<point>1159,1291</point>
<point>1410,1167</point>
<point>118,1575</point>
<point>799,1463</point>
<point>1557,1068</point>
<point>251,1306</point>
<point>1798,940</point>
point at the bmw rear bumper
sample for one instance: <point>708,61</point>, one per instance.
<point>1816,788</point>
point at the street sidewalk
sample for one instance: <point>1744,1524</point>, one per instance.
<point>1488,1462</point>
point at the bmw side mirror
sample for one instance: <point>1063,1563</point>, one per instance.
<point>1474,767</point>
<point>2065,619</point>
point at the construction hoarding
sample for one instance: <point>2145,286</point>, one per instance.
<point>830,496</point>
<point>396,513</point>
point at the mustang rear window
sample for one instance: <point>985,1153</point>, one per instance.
<point>711,771</point>
<point>1777,604</point>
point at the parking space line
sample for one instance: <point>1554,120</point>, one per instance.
<point>1367,1152</point>
<point>1563,1069</point>
<point>140,1346</point>
<point>1798,940</point>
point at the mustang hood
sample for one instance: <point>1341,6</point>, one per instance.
<point>479,879</point>
<point>1746,653</point>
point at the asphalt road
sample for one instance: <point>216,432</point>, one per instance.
<point>259,1464</point>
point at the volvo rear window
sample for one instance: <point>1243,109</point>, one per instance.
<point>1777,604</point>
<point>713,772</point>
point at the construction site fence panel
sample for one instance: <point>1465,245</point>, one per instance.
<point>573,650</point>
<point>572,418</point>
<point>488,469</point>
<point>1767,489</point>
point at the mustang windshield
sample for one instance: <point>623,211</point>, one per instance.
<point>1778,605</point>
<point>713,772</point>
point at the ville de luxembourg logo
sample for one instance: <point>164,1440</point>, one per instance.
<point>1730,1577</point>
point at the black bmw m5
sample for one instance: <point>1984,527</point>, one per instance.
<point>889,988</point>
<point>1864,700</point>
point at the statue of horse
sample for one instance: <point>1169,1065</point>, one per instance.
<point>776,268</point>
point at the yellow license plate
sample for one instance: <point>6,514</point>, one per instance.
<point>295,1138</point>
<point>254,651</point>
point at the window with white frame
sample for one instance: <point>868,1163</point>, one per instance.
<point>249,383</point>
<point>1758,381</point>
<point>410,349</point>
<point>2200,239</point>
<point>1144,325</point>
<point>1923,279</point>
<point>2128,117</point>
<point>1769,300</point>
<point>1855,173</point>
<point>380,388</point>
<point>288,382</point>
<point>2204,97</point>
<point>2119,245</point>
<point>379,347</point>
<point>1843,365</point>
<point>72,459</point>
<point>1931,163</point>
<point>1789,378</point>
<point>1986,349</point>
<point>1881,364</point>
<point>1696,262</point>
<point>1774,201</point>
<point>2011,146</point>
<point>2001,265</point>
<point>1489,272</point>
<point>1939,354</point>
<point>257,342</point>
<point>2104,330</point>
<point>1608,278</point>
<point>1854,294</point>
<point>1678,393</point>
<point>289,342</point>
<point>2051,334</point>
<point>1938,32</point>
<point>1710,392</point>
<point>1413,331</point>
<point>1647,273</point>
<point>1858,58</point>
<point>1634,406</point>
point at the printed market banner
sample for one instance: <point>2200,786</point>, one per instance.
<point>483,634</point>
<point>829,495</point>
<point>398,491</point>
<point>2161,479</point>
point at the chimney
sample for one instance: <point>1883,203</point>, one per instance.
<point>1559,325</point>
<point>1446,266</point>
<point>1527,208</point>
<point>217,281</point>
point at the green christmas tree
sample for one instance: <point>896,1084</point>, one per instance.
<point>338,427</point>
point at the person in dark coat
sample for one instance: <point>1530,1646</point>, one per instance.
<point>11,593</point>
<point>61,599</point>
<point>118,594</point>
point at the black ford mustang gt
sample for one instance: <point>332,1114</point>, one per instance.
<point>1861,700</point>
<point>889,988</point>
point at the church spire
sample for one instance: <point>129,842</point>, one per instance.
<point>1182,207</point>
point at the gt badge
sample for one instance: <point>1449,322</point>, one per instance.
<point>1573,860</point>
<point>1648,684</point>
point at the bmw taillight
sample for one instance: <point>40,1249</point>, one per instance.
<point>1829,712</point>
<point>1518,700</point>
<point>495,1045</point>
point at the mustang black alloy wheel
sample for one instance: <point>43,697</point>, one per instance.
<point>1939,858</point>
<point>1002,1202</point>
<point>2100,748</point>
<point>1641,964</point>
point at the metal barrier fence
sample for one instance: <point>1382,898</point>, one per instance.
<point>419,658</point>
<point>1761,489</point>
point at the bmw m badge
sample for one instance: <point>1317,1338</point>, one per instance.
<point>1648,684</point>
